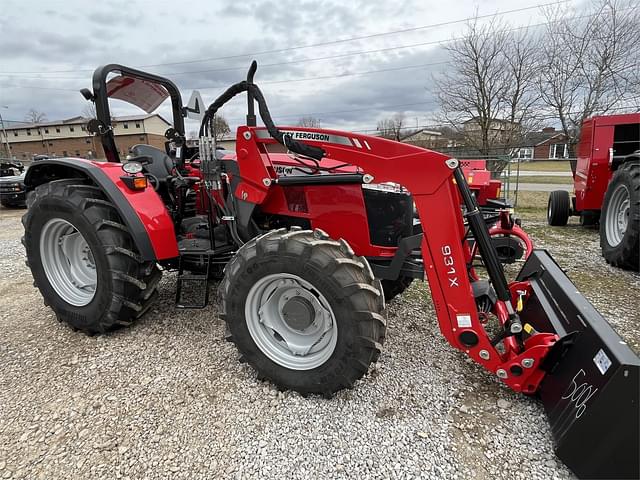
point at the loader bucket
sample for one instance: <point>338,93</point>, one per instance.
<point>592,387</point>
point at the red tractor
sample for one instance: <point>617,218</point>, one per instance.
<point>302,241</point>
<point>606,181</point>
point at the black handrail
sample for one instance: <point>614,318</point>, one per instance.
<point>251,115</point>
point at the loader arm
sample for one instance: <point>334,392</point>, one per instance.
<point>435,181</point>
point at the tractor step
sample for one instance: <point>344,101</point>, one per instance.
<point>192,289</point>
<point>591,392</point>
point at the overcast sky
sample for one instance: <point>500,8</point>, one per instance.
<point>49,49</point>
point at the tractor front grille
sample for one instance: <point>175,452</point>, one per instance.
<point>389,213</point>
<point>10,190</point>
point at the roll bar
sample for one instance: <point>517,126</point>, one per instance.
<point>101,99</point>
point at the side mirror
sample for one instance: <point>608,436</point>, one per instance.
<point>86,93</point>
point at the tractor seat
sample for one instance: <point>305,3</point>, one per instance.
<point>161,164</point>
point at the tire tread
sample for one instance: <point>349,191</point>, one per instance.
<point>626,255</point>
<point>134,281</point>
<point>333,258</point>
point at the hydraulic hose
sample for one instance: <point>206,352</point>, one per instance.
<point>311,151</point>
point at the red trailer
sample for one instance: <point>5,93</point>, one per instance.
<point>480,182</point>
<point>606,182</point>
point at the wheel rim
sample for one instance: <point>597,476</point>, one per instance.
<point>617,215</point>
<point>68,262</point>
<point>291,322</point>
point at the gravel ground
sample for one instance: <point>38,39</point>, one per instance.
<point>167,397</point>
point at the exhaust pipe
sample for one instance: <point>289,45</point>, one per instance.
<point>591,392</point>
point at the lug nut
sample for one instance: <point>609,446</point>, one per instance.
<point>484,355</point>
<point>501,373</point>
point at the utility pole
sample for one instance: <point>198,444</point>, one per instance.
<point>45,143</point>
<point>4,134</point>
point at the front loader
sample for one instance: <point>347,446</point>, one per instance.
<point>304,227</point>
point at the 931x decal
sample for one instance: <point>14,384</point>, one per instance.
<point>449,263</point>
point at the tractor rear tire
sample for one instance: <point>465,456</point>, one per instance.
<point>620,218</point>
<point>83,258</point>
<point>558,208</point>
<point>393,288</point>
<point>303,310</point>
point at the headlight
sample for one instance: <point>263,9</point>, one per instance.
<point>386,187</point>
<point>132,167</point>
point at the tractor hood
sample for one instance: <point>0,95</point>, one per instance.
<point>285,165</point>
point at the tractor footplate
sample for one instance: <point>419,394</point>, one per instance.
<point>591,392</point>
<point>192,289</point>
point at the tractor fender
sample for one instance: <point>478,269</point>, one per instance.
<point>143,212</point>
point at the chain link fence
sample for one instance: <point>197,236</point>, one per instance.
<point>517,174</point>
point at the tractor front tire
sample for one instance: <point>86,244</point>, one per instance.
<point>303,310</point>
<point>83,258</point>
<point>620,218</point>
<point>558,208</point>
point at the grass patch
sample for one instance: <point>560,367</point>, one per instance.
<point>536,200</point>
<point>544,166</point>
<point>545,180</point>
<point>532,204</point>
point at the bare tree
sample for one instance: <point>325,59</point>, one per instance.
<point>309,122</point>
<point>34,116</point>
<point>392,127</point>
<point>590,63</point>
<point>521,98</point>
<point>220,128</point>
<point>489,96</point>
<point>89,111</point>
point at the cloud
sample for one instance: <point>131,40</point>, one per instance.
<point>236,10</point>
<point>75,38</point>
<point>114,17</point>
